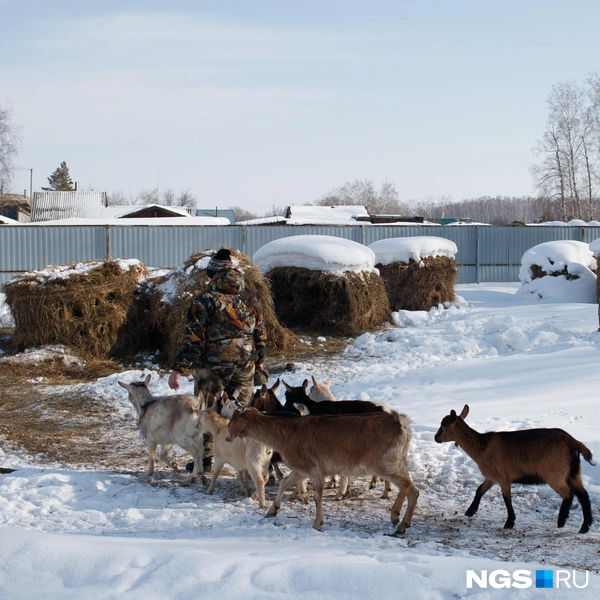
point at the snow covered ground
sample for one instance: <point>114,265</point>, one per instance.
<point>517,362</point>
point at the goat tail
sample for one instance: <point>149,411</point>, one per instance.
<point>404,422</point>
<point>586,453</point>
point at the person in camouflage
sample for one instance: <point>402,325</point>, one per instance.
<point>224,331</point>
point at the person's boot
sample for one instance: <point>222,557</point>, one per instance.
<point>207,463</point>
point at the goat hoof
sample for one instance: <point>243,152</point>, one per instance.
<point>272,512</point>
<point>401,529</point>
<point>561,524</point>
<point>509,525</point>
<point>470,513</point>
<point>584,528</point>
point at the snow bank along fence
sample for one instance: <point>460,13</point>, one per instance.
<point>485,253</point>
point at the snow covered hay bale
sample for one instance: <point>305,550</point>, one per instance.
<point>419,272</point>
<point>172,294</point>
<point>83,306</point>
<point>563,270</point>
<point>324,284</point>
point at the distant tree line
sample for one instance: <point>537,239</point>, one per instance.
<point>495,210</point>
<point>167,197</point>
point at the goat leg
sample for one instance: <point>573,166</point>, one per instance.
<point>586,507</point>
<point>565,507</point>
<point>293,478</point>
<point>151,457</point>
<point>318,483</point>
<point>481,490</point>
<point>510,521</point>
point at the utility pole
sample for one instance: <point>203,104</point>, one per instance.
<point>30,184</point>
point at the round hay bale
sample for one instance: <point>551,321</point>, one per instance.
<point>323,302</point>
<point>81,305</point>
<point>172,294</point>
<point>562,269</point>
<point>419,272</point>
<point>324,284</point>
<point>419,285</point>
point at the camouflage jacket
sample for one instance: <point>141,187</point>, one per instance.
<point>223,327</point>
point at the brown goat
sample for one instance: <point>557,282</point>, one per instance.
<point>314,447</point>
<point>536,456</point>
<point>266,401</point>
<point>295,396</point>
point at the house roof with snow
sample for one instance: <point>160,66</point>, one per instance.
<point>148,211</point>
<point>21,200</point>
<point>317,215</point>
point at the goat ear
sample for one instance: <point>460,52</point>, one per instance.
<point>148,378</point>
<point>275,386</point>
<point>123,385</point>
<point>465,412</point>
<point>328,383</point>
<point>263,389</point>
<point>287,387</point>
<point>314,380</point>
<point>453,414</point>
<point>305,384</point>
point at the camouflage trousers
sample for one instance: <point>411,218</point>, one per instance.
<point>238,382</point>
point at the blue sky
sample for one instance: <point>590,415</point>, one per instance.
<point>262,103</point>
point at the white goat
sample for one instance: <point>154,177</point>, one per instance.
<point>320,392</point>
<point>167,420</point>
<point>248,457</point>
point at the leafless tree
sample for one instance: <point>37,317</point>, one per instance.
<point>167,198</point>
<point>569,151</point>
<point>10,138</point>
<point>119,198</point>
<point>362,192</point>
<point>241,214</point>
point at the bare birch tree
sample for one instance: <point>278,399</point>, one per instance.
<point>10,138</point>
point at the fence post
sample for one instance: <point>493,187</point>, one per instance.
<point>477,260</point>
<point>108,242</point>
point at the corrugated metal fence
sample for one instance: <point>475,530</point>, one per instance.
<point>484,253</point>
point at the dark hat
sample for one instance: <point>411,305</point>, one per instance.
<point>219,262</point>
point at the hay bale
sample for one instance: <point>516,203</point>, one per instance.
<point>562,269</point>
<point>419,272</point>
<point>172,294</point>
<point>324,284</point>
<point>419,285</point>
<point>325,302</point>
<point>137,334</point>
<point>81,305</point>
